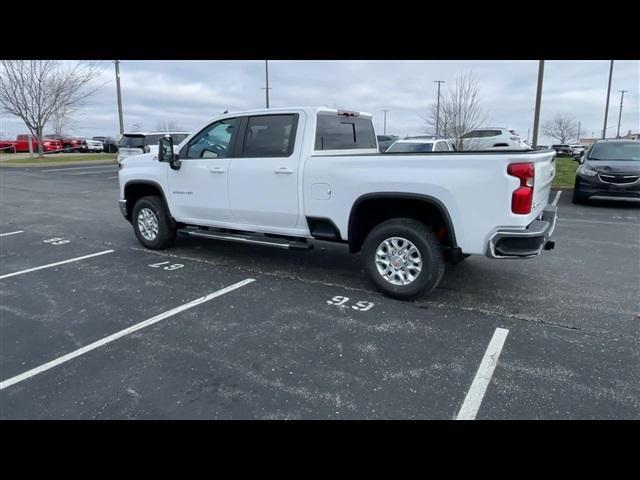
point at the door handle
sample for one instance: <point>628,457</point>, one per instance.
<point>216,170</point>
<point>283,170</point>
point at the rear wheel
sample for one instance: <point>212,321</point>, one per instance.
<point>151,223</point>
<point>403,258</point>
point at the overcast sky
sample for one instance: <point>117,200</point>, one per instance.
<point>192,92</point>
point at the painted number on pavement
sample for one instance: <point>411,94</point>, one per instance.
<point>56,241</point>
<point>171,266</point>
<point>340,301</point>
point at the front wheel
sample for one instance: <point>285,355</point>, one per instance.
<point>403,258</point>
<point>151,223</point>
<point>578,198</point>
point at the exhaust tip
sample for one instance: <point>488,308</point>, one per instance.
<point>550,245</point>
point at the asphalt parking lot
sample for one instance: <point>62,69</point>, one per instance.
<point>216,330</point>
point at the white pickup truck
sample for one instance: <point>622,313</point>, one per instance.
<point>282,177</point>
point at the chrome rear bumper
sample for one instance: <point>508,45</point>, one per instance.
<point>525,243</point>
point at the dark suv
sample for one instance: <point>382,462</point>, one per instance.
<point>609,170</point>
<point>110,144</point>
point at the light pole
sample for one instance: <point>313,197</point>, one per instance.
<point>579,125</point>
<point>606,109</point>
<point>266,78</point>
<point>384,131</point>
<point>438,107</point>
<point>620,114</point>
<point>536,115</point>
<point>117,62</point>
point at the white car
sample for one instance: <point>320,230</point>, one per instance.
<point>93,145</point>
<point>137,143</point>
<point>282,177</point>
<point>496,138</point>
<point>578,149</point>
<point>421,145</point>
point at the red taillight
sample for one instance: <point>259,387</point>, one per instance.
<point>522,197</point>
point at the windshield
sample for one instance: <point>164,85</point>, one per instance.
<point>615,151</point>
<point>410,147</point>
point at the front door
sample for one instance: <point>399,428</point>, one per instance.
<point>198,189</point>
<point>263,178</point>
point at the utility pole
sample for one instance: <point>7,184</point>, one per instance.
<point>620,114</point>
<point>117,62</point>
<point>606,110</point>
<point>266,78</point>
<point>536,115</point>
<point>438,107</point>
<point>579,125</point>
<point>384,132</point>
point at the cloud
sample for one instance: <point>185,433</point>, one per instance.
<point>193,92</point>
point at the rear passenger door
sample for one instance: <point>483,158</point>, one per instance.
<point>263,178</point>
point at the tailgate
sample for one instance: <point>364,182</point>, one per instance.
<point>545,171</point>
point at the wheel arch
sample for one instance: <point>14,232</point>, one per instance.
<point>134,190</point>
<point>420,207</point>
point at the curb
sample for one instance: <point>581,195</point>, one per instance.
<point>56,164</point>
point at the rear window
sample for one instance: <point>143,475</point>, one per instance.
<point>410,148</point>
<point>139,141</point>
<point>132,141</point>
<point>615,151</point>
<point>344,133</point>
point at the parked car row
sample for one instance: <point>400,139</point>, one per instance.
<point>494,138</point>
<point>572,150</point>
<point>21,145</point>
<point>53,143</point>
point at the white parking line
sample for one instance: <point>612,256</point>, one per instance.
<point>78,168</point>
<point>121,333</point>
<point>476,392</point>
<point>89,173</point>
<point>11,233</point>
<point>54,264</point>
<point>555,200</point>
<point>596,222</point>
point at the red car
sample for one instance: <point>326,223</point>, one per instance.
<point>69,144</point>
<point>21,144</point>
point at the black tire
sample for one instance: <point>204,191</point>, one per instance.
<point>166,235</point>
<point>428,246</point>
<point>578,199</point>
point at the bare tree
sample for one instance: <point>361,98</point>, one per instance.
<point>563,127</point>
<point>61,121</point>
<point>460,110</point>
<point>34,90</point>
<point>168,126</point>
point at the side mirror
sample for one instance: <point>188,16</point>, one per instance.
<point>166,154</point>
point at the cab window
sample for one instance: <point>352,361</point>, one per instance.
<point>214,141</point>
